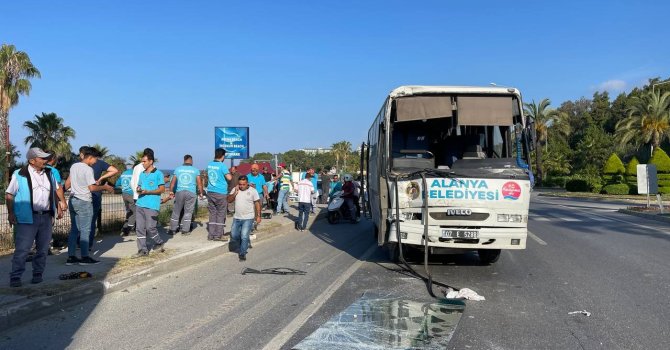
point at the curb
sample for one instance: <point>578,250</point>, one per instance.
<point>601,199</point>
<point>30,309</point>
<point>645,215</point>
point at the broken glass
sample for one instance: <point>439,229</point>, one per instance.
<point>374,322</point>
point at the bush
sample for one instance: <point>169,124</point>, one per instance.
<point>631,167</point>
<point>619,189</point>
<point>613,165</point>
<point>577,185</point>
<point>663,177</point>
<point>613,179</point>
<point>663,189</point>
<point>555,181</point>
<point>661,160</point>
<point>632,189</point>
<point>584,183</point>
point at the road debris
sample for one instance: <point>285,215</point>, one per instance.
<point>464,293</point>
<point>583,312</point>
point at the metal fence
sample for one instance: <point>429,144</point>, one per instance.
<point>112,218</point>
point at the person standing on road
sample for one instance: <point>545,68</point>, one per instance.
<point>247,207</point>
<point>123,183</point>
<point>32,200</point>
<point>99,167</point>
<point>82,183</point>
<point>325,186</point>
<point>185,182</point>
<point>217,192</point>
<point>315,183</point>
<point>150,188</point>
<point>348,189</point>
<point>305,193</point>
<point>234,175</point>
<point>285,187</point>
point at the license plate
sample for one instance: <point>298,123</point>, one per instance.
<point>469,234</point>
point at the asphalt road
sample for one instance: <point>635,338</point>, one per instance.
<point>581,255</point>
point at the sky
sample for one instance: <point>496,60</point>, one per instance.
<point>306,74</point>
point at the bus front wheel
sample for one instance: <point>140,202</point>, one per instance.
<point>488,256</point>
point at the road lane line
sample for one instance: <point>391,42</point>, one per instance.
<point>285,334</point>
<point>536,238</point>
<point>615,219</point>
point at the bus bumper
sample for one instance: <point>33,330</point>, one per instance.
<point>488,237</point>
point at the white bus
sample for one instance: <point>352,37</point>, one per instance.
<point>458,159</point>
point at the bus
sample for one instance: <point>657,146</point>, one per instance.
<point>447,171</point>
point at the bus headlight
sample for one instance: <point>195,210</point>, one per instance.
<point>510,218</point>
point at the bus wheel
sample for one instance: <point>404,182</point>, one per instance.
<point>334,217</point>
<point>488,256</point>
<point>393,252</point>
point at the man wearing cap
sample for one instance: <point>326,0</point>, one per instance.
<point>99,167</point>
<point>123,183</point>
<point>285,186</point>
<point>32,202</point>
<point>217,195</point>
<point>185,181</point>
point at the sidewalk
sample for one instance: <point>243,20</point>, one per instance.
<point>116,270</point>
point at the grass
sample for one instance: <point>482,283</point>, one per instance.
<point>664,197</point>
<point>125,264</point>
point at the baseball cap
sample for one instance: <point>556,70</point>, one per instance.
<point>37,152</point>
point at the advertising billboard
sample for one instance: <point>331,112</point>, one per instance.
<point>235,140</point>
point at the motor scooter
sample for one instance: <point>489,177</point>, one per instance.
<point>337,210</point>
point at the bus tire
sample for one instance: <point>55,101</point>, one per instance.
<point>393,252</point>
<point>334,217</point>
<point>488,256</point>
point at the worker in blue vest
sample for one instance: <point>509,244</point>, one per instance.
<point>33,200</point>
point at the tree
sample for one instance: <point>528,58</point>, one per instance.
<point>49,133</point>
<point>543,117</point>
<point>104,151</point>
<point>341,150</point>
<point>15,71</point>
<point>137,157</point>
<point>648,120</point>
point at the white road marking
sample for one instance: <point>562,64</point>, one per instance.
<point>536,238</point>
<point>613,219</point>
<point>285,334</point>
<point>540,218</point>
<point>570,219</point>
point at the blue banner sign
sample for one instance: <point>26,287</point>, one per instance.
<point>235,140</point>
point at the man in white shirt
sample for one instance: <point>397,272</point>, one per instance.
<point>247,207</point>
<point>33,200</point>
<point>305,193</point>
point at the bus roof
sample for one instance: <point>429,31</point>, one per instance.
<point>411,90</point>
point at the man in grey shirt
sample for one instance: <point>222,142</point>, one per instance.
<point>247,207</point>
<point>81,182</point>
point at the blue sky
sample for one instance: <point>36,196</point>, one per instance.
<point>163,74</point>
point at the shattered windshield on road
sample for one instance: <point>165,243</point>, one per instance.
<point>375,322</point>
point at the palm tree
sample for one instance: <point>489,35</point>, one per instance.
<point>137,157</point>
<point>341,150</point>
<point>648,120</point>
<point>15,70</point>
<point>102,149</point>
<point>543,118</point>
<point>48,132</point>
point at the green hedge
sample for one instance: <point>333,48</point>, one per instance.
<point>584,184</point>
<point>613,165</point>
<point>662,177</point>
<point>632,189</point>
<point>555,181</point>
<point>616,189</point>
<point>664,189</point>
<point>631,167</point>
<point>664,183</point>
<point>662,161</point>
<point>613,179</point>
